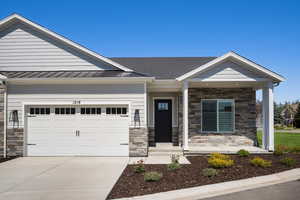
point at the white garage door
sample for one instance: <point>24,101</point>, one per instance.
<point>77,130</point>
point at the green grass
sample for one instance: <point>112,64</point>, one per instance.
<point>283,138</point>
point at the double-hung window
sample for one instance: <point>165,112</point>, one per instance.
<point>217,115</point>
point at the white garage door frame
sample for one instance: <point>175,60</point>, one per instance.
<point>67,103</point>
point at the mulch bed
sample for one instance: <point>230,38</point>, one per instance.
<point>7,158</point>
<point>133,184</point>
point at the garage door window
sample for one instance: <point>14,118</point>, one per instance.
<point>116,111</point>
<point>90,111</point>
<point>65,111</point>
<point>40,111</point>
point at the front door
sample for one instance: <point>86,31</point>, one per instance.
<point>163,120</point>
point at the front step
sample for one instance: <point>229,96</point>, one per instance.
<point>165,149</point>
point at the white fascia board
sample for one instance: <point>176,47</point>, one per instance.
<point>63,39</point>
<point>231,54</point>
<point>124,80</point>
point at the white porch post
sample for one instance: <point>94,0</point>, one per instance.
<point>145,105</point>
<point>185,95</point>
<point>268,117</point>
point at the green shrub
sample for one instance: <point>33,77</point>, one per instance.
<point>173,166</point>
<point>220,156</point>
<point>259,162</point>
<point>175,158</point>
<point>209,172</point>
<point>278,152</point>
<point>243,153</point>
<point>279,127</point>
<point>152,176</point>
<point>140,167</point>
<point>294,149</point>
<point>289,162</point>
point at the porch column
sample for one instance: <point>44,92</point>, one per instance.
<point>268,117</point>
<point>185,113</point>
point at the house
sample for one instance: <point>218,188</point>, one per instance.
<point>59,98</point>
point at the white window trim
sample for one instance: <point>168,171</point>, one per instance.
<point>218,100</point>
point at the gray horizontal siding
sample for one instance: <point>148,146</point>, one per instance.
<point>19,94</point>
<point>25,49</point>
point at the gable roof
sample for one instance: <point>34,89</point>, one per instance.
<point>16,17</point>
<point>163,67</point>
<point>233,55</point>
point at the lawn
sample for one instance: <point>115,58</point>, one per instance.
<point>283,138</point>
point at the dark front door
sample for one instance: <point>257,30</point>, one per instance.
<point>163,120</point>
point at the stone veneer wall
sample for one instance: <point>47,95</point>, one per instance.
<point>15,142</point>
<point>14,136</point>
<point>138,142</point>
<point>245,113</point>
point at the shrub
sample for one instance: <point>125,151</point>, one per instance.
<point>220,156</point>
<point>294,149</point>
<point>173,166</point>
<point>289,162</point>
<point>140,167</point>
<point>218,160</point>
<point>259,162</point>
<point>220,163</point>
<point>243,153</point>
<point>175,158</point>
<point>152,176</point>
<point>278,152</point>
<point>209,172</point>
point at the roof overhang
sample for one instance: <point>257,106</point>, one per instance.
<point>103,80</point>
<point>274,76</point>
<point>62,39</point>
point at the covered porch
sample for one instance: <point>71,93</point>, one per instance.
<point>215,107</point>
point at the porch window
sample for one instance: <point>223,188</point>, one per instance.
<point>218,115</point>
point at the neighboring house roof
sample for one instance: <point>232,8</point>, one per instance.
<point>69,74</point>
<point>15,17</point>
<point>234,56</point>
<point>163,67</point>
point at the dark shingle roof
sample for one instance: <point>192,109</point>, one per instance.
<point>70,74</point>
<point>162,67</point>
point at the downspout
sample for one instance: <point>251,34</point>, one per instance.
<point>5,120</point>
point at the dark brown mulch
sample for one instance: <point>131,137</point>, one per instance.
<point>7,158</point>
<point>133,184</point>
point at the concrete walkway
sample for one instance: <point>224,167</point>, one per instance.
<point>224,149</point>
<point>157,160</point>
<point>59,178</point>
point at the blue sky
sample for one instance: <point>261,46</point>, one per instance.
<point>267,32</point>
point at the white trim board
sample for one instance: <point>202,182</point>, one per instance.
<point>62,39</point>
<point>237,57</point>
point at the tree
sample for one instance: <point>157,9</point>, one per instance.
<point>297,117</point>
<point>278,119</point>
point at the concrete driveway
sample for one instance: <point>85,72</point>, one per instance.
<point>59,178</point>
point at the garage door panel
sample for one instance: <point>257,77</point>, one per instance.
<point>57,134</point>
